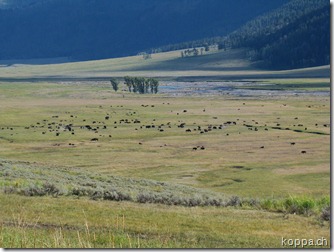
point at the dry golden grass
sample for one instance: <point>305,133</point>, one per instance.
<point>237,160</point>
<point>169,155</point>
<point>147,226</point>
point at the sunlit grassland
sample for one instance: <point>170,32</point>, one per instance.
<point>228,64</point>
<point>315,84</point>
<point>131,151</point>
<point>60,222</point>
<point>256,162</point>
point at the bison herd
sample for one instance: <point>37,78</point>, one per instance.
<point>109,120</point>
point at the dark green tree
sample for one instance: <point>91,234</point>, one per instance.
<point>147,85</point>
<point>128,82</point>
<point>114,84</point>
<point>155,84</point>
<point>141,85</point>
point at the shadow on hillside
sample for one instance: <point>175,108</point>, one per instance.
<point>232,60</point>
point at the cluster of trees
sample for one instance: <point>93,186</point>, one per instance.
<point>192,52</point>
<point>145,55</point>
<point>141,85</point>
<point>199,51</point>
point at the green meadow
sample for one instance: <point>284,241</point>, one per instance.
<point>83,166</point>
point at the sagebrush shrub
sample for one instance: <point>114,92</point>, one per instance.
<point>81,191</point>
<point>10,190</point>
<point>145,197</point>
<point>234,201</point>
<point>33,191</point>
<point>326,213</point>
<point>116,196</point>
<point>253,202</point>
<point>97,195</point>
<point>213,202</point>
<point>50,189</point>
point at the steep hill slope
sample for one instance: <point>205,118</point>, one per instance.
<point>295,35</point>
<point>95,29</point>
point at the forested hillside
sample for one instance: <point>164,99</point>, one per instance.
<point>295,35</point>
<point>96,29</point>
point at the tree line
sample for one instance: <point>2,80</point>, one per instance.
<point>139,85</point>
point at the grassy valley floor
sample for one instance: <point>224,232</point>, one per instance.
<point>83,166</point>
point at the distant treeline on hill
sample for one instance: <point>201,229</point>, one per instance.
<point>296,35</point>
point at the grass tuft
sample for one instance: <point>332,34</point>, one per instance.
<point>301,205</point>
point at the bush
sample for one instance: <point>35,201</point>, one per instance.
<point>145,197</point>
<point>326,213</point>
<point>33,191</point>
<point>299,205</point>
<point>178,201</point>
<point>10,190</point>
<point>97,195</point>
<point>196,201</point>
<point>234,201</point>
<point>213,202</point>
<point>81,191</point>
<point>50,189</point>
<point>253,202</point>
<point>116,196</point>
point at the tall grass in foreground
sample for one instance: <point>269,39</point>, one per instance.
<point>21,234</point>
<point>134,225</point>
<point>25,237</point>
